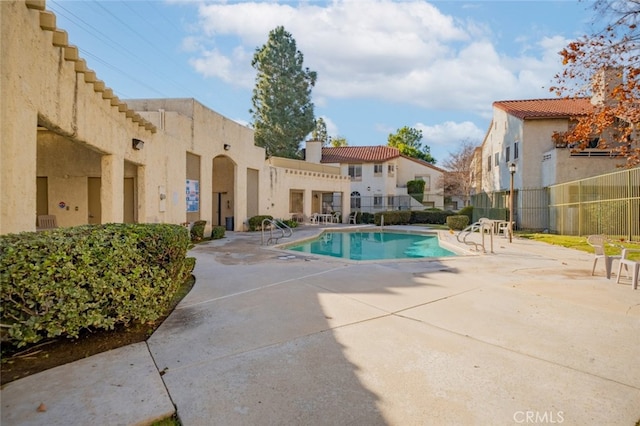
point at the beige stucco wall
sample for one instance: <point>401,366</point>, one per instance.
<point>281,175</point>
<point>59,121</point>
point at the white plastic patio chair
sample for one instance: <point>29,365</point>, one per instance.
<point>599,243</point>
<point>634,265</point>
<point>353,217</point>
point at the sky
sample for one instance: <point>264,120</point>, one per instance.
<point>381,64</point>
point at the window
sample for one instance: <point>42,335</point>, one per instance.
<point>355,200</point>
<point>391,200</point>
<point>377,169</point>
<point>593,143</point>
<point>497,156</point>
<point>377,201</point>
<point>355,171</point>
<point>488,162</point>
<point>507,154</point>
<point>515,150</point>
<point>391,168</point>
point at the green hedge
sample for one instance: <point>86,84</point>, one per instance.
<point>255,222</point>
<point>436,217</point>
<point>197,230</point>
<point>458,222</point>
<point>394,217</point>
<point>58,282</point>
<point>217,232</point>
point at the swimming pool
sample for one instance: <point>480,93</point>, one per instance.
<point>373,245</point>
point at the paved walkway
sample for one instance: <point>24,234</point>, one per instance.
<point>519,336</point>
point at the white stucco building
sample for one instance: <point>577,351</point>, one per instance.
<point>379,176</point>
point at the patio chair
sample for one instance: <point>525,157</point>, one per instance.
<point>336,217</point>
<point>599,244</point>
<point>634,265</point>
<point>353,217</point>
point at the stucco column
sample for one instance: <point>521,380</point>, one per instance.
<point>111,191</point>
<point>346,206</point>
<point>18,154</point>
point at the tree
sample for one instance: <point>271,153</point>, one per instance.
<point>407,140</point>
<point>606,64</point>
<point>282,109</point>
<point>457,181</point>
<point>320,132</point>
<point>339,141</point>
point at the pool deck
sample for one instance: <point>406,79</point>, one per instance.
<point>518,336</point>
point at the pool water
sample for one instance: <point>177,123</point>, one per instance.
<point>374,245</point>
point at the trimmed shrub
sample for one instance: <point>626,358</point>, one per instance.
<point>415,188</point>
<point>394,217</point>
<point>432,216</point>
<point>59,282</point>
<point>217,232</point>
<point>365,218</point>
<point>458,222</point>
<point>255,222</point>
<point>467,211</point>
<point>197,230</point>
<point>289,222</point>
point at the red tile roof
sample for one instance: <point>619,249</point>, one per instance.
<point>359,154</point>
<point>545,108</point>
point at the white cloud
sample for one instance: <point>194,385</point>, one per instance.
<point>406,52</point>
<point>445,138</point>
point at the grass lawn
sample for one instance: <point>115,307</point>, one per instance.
<point>580,243</point>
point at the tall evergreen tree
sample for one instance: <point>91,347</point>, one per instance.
<point>320,132</point>
<point>282,109</point>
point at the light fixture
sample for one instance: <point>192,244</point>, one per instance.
<point>137,144</point>
<point>226,147</point>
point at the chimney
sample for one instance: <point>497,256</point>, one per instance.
<point>313,151</point>
<point>603,83</point>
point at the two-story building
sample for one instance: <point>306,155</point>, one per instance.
<point>523,133</point>
<point>379,176</point>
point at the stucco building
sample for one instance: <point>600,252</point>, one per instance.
<point>73,149</point>
<point>379,176</point>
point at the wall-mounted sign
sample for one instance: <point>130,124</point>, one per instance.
<point>62,204</point>
<point>193,195</point>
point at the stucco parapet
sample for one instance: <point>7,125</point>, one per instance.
<point>36,4</point>
<point>90,76</point>
<point>98,86</point>
<point>47,21</point>
<point>60,38</point>
<point>71,53</point>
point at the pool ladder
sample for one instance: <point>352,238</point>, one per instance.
<point>273,230</point>
<point>485,226</point>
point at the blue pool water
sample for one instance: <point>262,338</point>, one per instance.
<point>374,245</point>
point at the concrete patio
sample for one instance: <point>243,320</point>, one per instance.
<point>521,335</point>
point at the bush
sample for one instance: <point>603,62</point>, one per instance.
<point>394,217</point>
<point>59,282</point>
<point>366,218</point>
<point>415,188</point>
<point>217,232</point>
<point>255,222</point>
<point>458,222</point>
<point>197,230</point>
<point>289,222</point>
<point>467,211</point>
<point>432,216</point>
